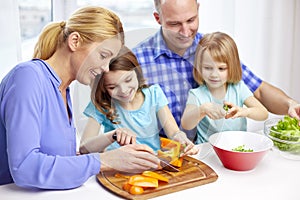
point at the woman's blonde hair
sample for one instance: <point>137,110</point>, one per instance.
<point>94,24</point>
<point>222,48</point>
<point>124,61</point>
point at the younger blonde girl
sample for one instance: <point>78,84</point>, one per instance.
<point>217,69</point>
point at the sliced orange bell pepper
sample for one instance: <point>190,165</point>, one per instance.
<point>118,175</point>
<point>126,186</point>
<point>132,189</point>
<point>167,143</point>
<point>143,181</point>
<point>155,175</point>
<point>178,162</point>
<point>136,190</point>
<point>170,151</point>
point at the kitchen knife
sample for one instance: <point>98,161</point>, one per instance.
<point>167,166</point>
<point>163,163</point>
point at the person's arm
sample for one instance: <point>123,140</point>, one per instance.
<point>91,140</point>
<point>172,130</point>
<point>274,99</point>
<point>167,121</point>
<point>192,115</point>
<point>253,110</point>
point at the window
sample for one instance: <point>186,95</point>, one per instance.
<point>133,13</point>
<point>34,15</point>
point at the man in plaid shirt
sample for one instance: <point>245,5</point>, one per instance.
<point>167,58</point>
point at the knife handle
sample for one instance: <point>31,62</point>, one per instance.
<point>114,136</point>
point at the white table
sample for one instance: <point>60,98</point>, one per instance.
<point>275,178</point>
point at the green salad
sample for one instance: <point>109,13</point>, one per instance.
<point>242,149</point>
<point>288,131</point>
<point>226,107</point>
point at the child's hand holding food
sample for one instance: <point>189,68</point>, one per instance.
<point>189,147</point>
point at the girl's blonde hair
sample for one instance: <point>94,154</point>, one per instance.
<point>94,24</point>
<point>125,61</point>
<point>222,48</point>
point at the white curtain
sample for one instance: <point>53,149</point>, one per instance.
<point>10,40</point>
<point>267,33</point>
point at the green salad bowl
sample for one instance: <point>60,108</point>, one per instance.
<point>285,134</point>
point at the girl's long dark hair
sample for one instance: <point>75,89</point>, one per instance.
<point>125,61</point>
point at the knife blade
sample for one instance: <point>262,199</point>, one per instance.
<point>167,166</point>
<point>163,163</point>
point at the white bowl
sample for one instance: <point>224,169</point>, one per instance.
<point>224,142</point>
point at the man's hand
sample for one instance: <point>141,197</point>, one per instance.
<point>294,110</point>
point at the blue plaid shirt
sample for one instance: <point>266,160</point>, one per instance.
<point>174,73</point>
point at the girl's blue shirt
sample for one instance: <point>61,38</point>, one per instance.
<point>143,121</point>
<point>236,93</point>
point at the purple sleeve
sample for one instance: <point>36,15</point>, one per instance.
<point>30,164</point>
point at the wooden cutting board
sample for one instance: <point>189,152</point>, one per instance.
<point>192,173</point>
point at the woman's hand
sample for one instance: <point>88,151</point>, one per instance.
<point>132,158</point>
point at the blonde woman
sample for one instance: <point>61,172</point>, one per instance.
<point>221,93</point>
<point>37,133</point>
